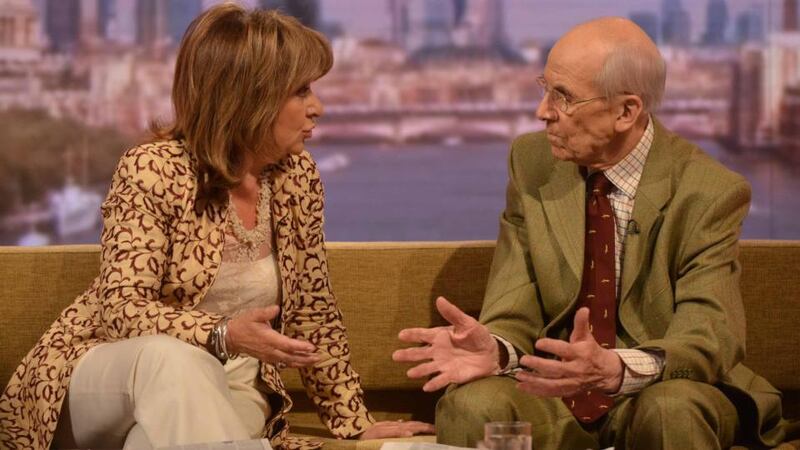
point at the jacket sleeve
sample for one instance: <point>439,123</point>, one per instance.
<point>705,337</point>
<point>332,384</point>
<point>510,306</point>
<point>135,242</point>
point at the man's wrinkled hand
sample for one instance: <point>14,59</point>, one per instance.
<point>459,353</point>
<point>583,365</point>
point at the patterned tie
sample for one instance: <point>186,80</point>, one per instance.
<point>598,289</point>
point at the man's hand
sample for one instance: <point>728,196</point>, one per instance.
<point>584,365</point>
<point>459,353</point>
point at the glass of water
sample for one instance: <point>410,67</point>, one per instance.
<point>506,436</point>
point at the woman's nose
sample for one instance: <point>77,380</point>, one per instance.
<point>315,108</point>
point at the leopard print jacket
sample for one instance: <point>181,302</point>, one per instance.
<point>159,257</point>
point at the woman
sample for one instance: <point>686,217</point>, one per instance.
<point>212,247</point>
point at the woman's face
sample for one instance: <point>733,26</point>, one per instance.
<point>295,121</point>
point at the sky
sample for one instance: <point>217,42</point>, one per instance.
<point>541,20</point>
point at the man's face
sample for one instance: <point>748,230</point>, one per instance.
<point>583,134</point>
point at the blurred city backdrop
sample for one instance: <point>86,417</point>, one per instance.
<point>421,105</point>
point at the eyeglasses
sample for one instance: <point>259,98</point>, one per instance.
<point>558,99</point>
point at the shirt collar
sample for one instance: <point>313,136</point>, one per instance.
<point>625,175</point>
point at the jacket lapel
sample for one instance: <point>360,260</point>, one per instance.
<point>653,193</point>
<point>283,233</point>
<point>564,202</point>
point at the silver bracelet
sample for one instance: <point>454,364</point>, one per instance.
<point>215,343</point>
<point>222,335</point>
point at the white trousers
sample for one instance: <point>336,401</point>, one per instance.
<point>158,391</point>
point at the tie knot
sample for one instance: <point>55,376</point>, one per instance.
<point>599,184</point>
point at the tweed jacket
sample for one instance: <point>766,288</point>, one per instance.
<point>159,257</point>
<point>679,291</point>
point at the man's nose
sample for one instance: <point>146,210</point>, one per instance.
<point>545,110</point>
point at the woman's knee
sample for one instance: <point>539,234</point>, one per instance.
<point>173,357</point>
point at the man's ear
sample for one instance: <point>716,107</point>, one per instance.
<point>629,110</point>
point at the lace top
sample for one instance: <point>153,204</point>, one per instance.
<point>241,285</point>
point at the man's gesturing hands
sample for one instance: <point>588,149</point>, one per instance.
<point>461,352</point>
<point>583,365</point>
<point>466,351</point>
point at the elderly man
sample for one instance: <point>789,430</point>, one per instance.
<point>613,314</point>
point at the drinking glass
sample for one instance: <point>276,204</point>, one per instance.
<point>507,436</point>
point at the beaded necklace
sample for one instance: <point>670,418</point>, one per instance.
<point>250,241</point>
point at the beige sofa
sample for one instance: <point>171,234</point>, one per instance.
<point>384,287</point>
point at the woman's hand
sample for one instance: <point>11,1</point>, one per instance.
<point>396,428</point>
<point>250,332</point>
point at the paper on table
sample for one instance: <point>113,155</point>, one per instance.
<point>249,444</point>
<point>427,446</point>
<point>419,446</point>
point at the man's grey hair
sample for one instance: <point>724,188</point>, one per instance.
<point>629,69</point>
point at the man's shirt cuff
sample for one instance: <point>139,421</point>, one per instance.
<point>513,359</point>
<point>642,368</point>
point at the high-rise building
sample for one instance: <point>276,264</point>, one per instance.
<point>20,53</point>
<point>89,34</point>
<point>482,22</point>
<point>63,24</point>
<point>19,33</point>
<point>306,11</point>
<point>789,128</point>
<point>180,14</point>
<point>749,26</point>
<point>151,26</point>
<point>648,22</point>
<point>747,96</point>
<point>676,25</point>
<point>106,11</point>
<point>716,22</point>
<point>790,15</point>
<point>119,21</point>
<point>438,23</point>
<point>400,21</point>
<point>781,70</point>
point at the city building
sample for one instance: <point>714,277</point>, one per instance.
<point>117,24</point>
<point>750,26</point>
<point>647,21</point>
<point>790,15</point>
<point>180,14</point>
<point>89,36</point>
<point>789,128</point>
<point>400,22</point>
<point>716,23</point>
<point>747,96</point>
<point>306,11</point>
<point>781,70</point>
<point>20,53</point>
<point>19,32</point>
<point>437,24</point>
<point>152,33</point>
<point>62,19</point>
<point>479,23</point>
<point>106,11</point>
<point>676,29</point>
